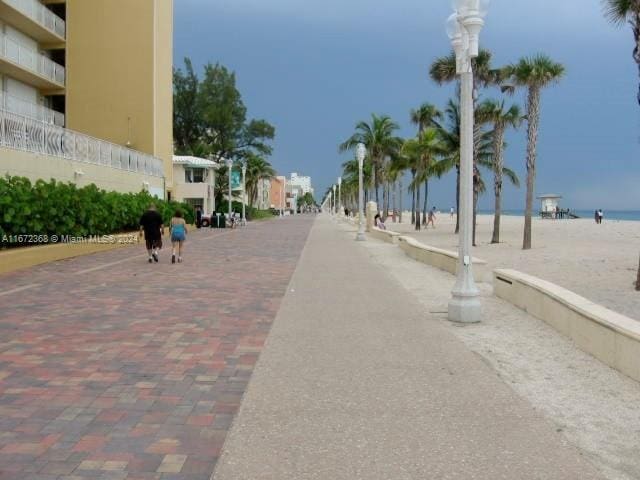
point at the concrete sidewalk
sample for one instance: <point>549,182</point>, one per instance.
<point>355,383</point>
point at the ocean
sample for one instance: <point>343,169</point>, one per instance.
<point>624,215</point>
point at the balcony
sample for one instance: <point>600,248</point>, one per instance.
<point>34,19</point>
<point>31,110</point>
<point>22,133</point>
<point>29,66</point>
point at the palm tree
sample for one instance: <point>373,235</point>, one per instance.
<point>427,115</point>
<point>450,136</point>
<point>257,169</point>
<point>443,70</point>
<point>378,136</point>
<point>534,74</point>
<point>492,111</point>
<point>621,11</point>
<point>423,153</point>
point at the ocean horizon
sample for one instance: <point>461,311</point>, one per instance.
<point>622,215</point>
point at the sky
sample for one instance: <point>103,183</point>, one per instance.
<point>315,68</point>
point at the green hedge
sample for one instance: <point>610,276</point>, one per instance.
<point>251,212</point>
<point>55,208</point>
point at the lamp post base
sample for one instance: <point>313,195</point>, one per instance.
<point>360,237</point>
<point>464,309</point>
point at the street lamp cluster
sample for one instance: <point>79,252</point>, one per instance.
<point>463,28</point>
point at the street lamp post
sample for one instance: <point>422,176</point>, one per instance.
<point>244,193</point>
<point>230,165</point>
<point>340,209</point>
<point>335,206</point>
<point>463,27</point>
<point>361,152</point>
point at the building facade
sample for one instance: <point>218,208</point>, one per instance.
<point>194,182</point>
<point>278,194</point>
<point>86,92</point>
<point>304,183</point>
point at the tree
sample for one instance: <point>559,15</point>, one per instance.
<point>210,116</point>
<point>187,128</point>
<point>619,12</point>
<point>534,74</point>
<point>423,154</point>
<point>494,112</point>
<point>258,168</point>
<point>378,136</point>
<point>427,115</point>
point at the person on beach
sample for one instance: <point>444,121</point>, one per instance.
<point>152,225</point>
<point>452,212</point>
<point>431,218</point>
<point>600,216</point>
<point>596,216</point>
<point>178,231</point>
<point>377,221</point>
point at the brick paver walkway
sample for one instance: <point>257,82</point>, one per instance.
<point>112,368</point>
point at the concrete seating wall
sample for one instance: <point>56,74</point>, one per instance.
<point>607,335</point>
<point>385,235</point>
<point>442,259</point>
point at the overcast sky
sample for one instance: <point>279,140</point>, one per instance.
<point>314,68</point>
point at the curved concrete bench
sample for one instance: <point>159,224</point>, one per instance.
<point>385,235</point>
<point>607,335</point>
<point>442,259</point>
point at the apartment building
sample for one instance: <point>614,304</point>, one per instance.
<point>86,92</point>
<point>303,182</point>
<point>195,181</point>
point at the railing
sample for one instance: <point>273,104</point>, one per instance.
<point>31,60</point>
<point>29,109</point>
<point>40,14</point>
<point>23,133</point>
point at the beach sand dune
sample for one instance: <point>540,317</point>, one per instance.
<point>598,262</point>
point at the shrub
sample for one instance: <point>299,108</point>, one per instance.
<point>56,208</point>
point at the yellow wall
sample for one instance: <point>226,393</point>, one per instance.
<point>34,167</point>
<point>119,67</point>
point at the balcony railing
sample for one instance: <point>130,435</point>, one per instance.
<point>31,110</point>
<point>23,133</point>
<point>40,14</point>
<point>31,60</point>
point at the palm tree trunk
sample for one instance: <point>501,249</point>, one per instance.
<point>413,198</point>
<point>636,50</point>
<point>638,279</point>
<point>476,194</point>
<point>458,199</point>
<point>417,208</point>
<point>426,202</point>
<point>394,190</point>
<point>533,115</point>
<point>497,180</point>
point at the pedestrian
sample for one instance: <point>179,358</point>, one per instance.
<point>178,231</point>
<point>377,220</point>
<point>152,225</point>
<point>453,211</point>
<point>432,217</point>
<point>600,216</point>
<point>596,216</point>
<point>198,216</point>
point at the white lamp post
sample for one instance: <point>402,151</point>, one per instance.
<point>361,152</point>
<point>335,207</point>
<point>463,27</point>
<point>244,193</point>
<point>340,209</point>
<point>230,165</point>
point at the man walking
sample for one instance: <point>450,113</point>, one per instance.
<point>152,225</point>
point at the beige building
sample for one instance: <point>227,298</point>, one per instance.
<point>194,182</point>
<point>86,92</point>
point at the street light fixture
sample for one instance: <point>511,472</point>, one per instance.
<point>335,207</point>
<point>244,193</point>
<point>361,152</point>
<point>463,27</point>
<point>230,165</point>
<point>340,209</point>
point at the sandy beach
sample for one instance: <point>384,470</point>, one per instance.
<point>598,262</point>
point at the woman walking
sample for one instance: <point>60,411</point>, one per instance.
<point>178,230</point>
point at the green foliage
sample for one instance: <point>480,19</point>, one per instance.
<point>56,208</point>
<point>210,116</point>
